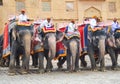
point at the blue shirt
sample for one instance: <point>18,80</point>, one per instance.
<point>115,26</point>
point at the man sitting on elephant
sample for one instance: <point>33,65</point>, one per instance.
<point>46,23</point>
<point>115,25</point>
<point>22,17</point>
<point>71,27</point>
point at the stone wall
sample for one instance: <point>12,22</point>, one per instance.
<point>82,9</point>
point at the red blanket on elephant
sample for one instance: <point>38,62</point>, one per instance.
<point>6,42</point>
<point>83,29</point>
<point>36,40</point>
<point>60,48</point>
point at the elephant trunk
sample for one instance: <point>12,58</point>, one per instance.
<point>52,46</point>
<point>102,48</point>
<point>27,47</point>
<point>73,49</point>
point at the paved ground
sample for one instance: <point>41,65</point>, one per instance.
<point>60,77</point>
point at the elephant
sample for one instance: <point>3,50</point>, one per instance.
<point>96,46</point>
<point>38,50</point>
<point>109,48</point>
<point>21,39</point>
<point>49,44</point>
<point>73,51</point>
<point>90,52</point>
<point>113,46</point>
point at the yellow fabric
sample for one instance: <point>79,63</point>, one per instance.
<point>118,31</point>
<point>36,51</point>
<point>61,55</point>
<point>109,29</point>
<point>6,55</point>
<point>68,37</point>
<point>94,29</point>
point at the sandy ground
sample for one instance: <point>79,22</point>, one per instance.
<point>84,76</point>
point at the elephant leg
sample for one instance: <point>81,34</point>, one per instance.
<point>112,55</point>
<point>41,62</point>
<point>101,54</point>
<point>91,56</point>
<point>83,62</point>
<point>33,60</point>
<point>102,64</point>
<point>49,64</point>
<point>8,61</point>
<point>23,64</point>
<point>46,53</point>
<point>116,55</point>
<point>27,62</point>
<point>68,61</point>
<point>77,63</point>
<point>36,59</point>
<point>17,61</point>
<point>61,61</point>
<point>12,58</point>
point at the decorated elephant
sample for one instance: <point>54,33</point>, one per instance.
<point>21,39</point>
<point>37,49</point>
<point>86,46</point>
<point>72,45</point>
<point>113,46</point>
<point>49,44</point>
<point>93,47</point>
<point>97,46</point>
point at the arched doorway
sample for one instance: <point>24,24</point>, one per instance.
<point>92,11</point>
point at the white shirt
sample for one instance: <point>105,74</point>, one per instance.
<point>71,27</point>
<point>46,24</point>
<point>22,18</point>
<point>93,23</point>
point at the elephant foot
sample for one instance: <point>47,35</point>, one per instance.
<point>102,70</point>
<point>41,71</point>
<point>94,69</point>
<point>7,64</point>
<point>59,66</point>
<point>84,64</point>
<point>48,70</point>
<point>18,66</point>
<point>68,71</point>
<point>114,68</point>
<point>23,72</point>
<point>35,66</point>
<point>76,70</point>
<point>11,73</point>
